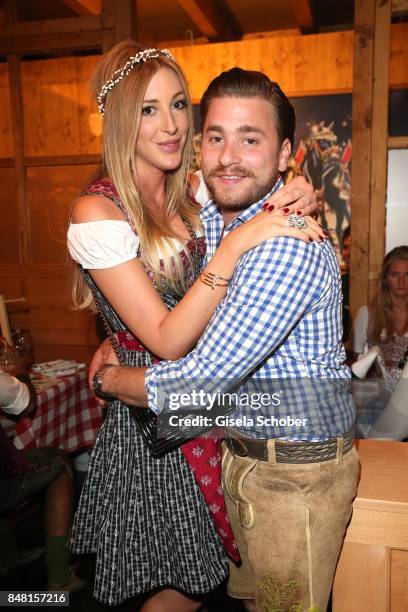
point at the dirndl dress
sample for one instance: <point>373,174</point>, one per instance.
<point>145,518</point>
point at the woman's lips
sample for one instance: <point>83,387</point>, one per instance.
<point>170,146</point>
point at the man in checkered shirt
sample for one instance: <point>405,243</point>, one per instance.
<point>291,475</point>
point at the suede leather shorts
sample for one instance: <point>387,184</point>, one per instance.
<point>289,521</point>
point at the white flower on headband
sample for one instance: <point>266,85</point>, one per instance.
<point>119,74</point>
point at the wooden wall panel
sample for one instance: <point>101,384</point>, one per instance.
<point>398,73</point>
<point>51,192</point>
<point>9,217</point>
<point>6,138</point>
<point>302,65</point>
<point>57,329</point>
<point>60,117</point>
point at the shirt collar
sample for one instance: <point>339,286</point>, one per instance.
<point>210,209</point>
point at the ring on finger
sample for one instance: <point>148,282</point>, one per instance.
<point>297,221</point>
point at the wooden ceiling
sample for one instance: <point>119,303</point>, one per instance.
<point>35,27</point>
<point>186,21</point>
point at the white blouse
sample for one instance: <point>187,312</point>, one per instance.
<point>97,245</point>
<point>14,395</point>
<point>202,196</point>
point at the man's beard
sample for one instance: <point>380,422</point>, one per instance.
<point>239,199</point>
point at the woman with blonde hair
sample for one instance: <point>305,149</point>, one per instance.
<point>381,328</point>
<point>136,237</point>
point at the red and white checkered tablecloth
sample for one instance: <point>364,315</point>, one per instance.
<point>67,417</point>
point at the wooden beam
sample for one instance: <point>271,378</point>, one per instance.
<point>399,7</point>
<point>74,41</point>
<point>272,34</point>
<point>212,18</point>
<point>10,8</point>
<point>398,142</point>
<point>51,26</point>
<point>303,13</point>
<point>364,22</point>
<point>7,162</point>
<point>61,160</point>
<point>84,7</point>
<point>125,19</point>
<point>369,116</point>
<point>379,146</point>
<point>107,24</point>
<point>17,123</point>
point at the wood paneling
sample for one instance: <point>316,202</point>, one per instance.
<point>302,65</point>
<point>372,568</point>
<point>398,73</point>
<point>212,18</point>
<point>252,15</point>
<point>50,26</point>
<point>303,13</point>
<point>51,192</point>
<point>60,116</point>
<point>57,329</point>
<point>17,120</point>
<point>361,570</point>
<point>370,132</point>
<point>84,7</point>
<point>6,138</point>
<point>9,218</point>
<point>291,61</point>
<point>399,581</point>
<point>379,144</point>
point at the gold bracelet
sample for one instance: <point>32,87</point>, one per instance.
<point>210,279</point>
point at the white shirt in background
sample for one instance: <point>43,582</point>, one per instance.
<point>14,394</point>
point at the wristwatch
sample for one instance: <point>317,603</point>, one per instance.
<point>97,383</point>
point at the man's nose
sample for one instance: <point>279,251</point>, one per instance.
<point>229,154</point>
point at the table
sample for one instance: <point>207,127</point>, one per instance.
<point>67,417</point>
<point>372,573</point>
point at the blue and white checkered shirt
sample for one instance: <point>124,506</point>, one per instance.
<point>278,330</point>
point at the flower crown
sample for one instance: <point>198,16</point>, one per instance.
<point>119,74</point>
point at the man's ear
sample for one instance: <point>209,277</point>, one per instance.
<point>284,155</point>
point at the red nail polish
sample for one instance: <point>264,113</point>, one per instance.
<point>299,212</point>
<point>325,233</point>
<point>285,210</point>
<point>271,207</point>
<point>310,239</point>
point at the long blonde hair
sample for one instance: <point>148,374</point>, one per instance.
<point>381,318</point>
<point>121,122</point>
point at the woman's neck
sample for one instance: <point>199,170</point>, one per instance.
<point>153,189</point>
<point>399,303</point>
<point>399,309</point>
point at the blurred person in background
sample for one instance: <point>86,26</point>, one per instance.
<point>380,330</point>
<point>25,473</point>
